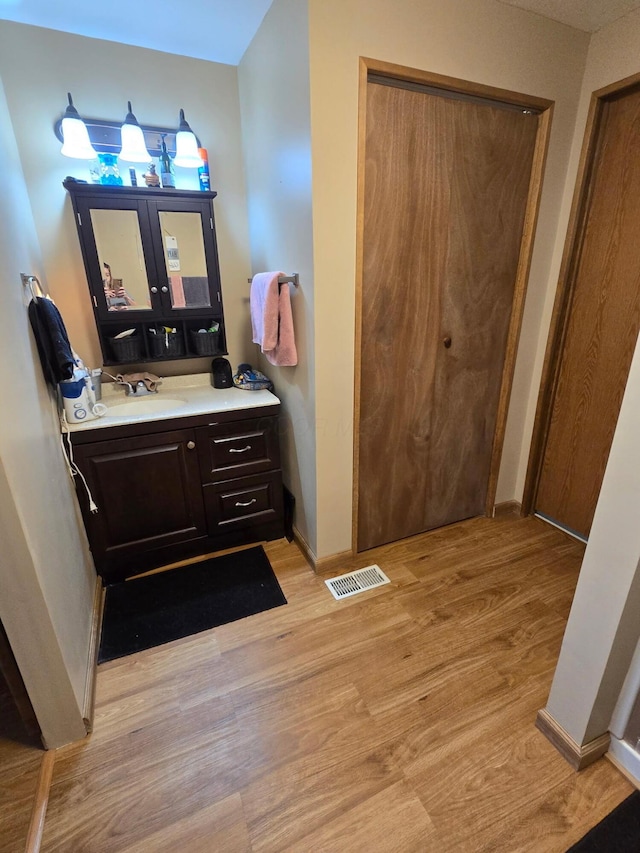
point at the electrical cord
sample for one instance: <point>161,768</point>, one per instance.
<point>68,457</point>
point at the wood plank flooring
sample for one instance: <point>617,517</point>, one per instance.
<point>20,759</point>
<point>401,719</point>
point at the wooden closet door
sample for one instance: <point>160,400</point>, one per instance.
<point>602,327</point>
<point>446,186</point>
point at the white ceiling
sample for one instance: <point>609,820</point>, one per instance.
<point>587,15</point>
<point>218,30</point>
<point>221,30</point>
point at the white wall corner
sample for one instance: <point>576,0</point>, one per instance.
<point>604,623</point>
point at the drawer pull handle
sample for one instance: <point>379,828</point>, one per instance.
<point>239,449</point>
<point>191,445</point>
<point>248,503</point>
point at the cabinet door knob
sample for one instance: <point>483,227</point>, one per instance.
<point>447,342</point>
<point>154,290</point>
<point>191,445</point>
<point>164,289</point>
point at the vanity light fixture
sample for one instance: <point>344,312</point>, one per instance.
<point>113,137</point>
<point>76,142</point>
<point>134,149</point>
<point>186,146</point>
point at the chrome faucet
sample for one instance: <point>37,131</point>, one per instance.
<point>139,389</point>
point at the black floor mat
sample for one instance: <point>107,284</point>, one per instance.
<point>618,832</point>
<point>153,610</point>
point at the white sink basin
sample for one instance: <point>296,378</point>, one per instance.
<point>146,406</point>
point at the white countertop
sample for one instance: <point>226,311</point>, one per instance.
<point>185,396</point>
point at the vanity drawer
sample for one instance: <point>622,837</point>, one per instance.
<point>245,502</point>
<point>238,448</point>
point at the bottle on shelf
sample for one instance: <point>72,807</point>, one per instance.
<point>166,167</point>
<point>109,172</point>
<point>203,171</point>
<point>151,178</point>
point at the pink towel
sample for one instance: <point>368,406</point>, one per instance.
<point>272,320</point>
<point>177,292</point>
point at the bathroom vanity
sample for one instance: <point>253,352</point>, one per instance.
<point>178,474</point>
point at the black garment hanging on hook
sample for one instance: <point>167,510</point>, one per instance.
<point>54,349</point>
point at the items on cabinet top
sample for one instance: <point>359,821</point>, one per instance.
<point>151,261</point>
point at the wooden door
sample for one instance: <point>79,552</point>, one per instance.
<point>602,323</point>
<point>446,186</point>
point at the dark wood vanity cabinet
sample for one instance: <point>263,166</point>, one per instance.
<point>173,489</point>
<point>151,261</point>
<point>148,493</point>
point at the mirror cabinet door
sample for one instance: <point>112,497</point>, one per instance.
<point>121,258</point>
<point>185,261</point>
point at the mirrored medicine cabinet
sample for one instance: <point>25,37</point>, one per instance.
<point>151,261</point>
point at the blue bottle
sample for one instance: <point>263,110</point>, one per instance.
<point>109,172</point>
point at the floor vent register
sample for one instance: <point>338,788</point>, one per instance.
<point>359,581</point>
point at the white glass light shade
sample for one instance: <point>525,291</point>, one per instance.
<point>186,146</point>
<point>134,149</point>
<point>76,142</point>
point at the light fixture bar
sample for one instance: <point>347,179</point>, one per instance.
<point>106,139</point>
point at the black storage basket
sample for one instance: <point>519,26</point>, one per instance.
<point>166,346</point>
<point>205,343</point>
<point>126,349</point>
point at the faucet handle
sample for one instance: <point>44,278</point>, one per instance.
<point>142,388</point>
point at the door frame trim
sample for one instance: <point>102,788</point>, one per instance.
<point>544,108</point>
<point>566,283</point>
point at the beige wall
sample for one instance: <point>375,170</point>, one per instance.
<point>39,67</point>
<point>480,40</point>
<point>604,625</point>
<point>47,580</point>
<point>274,96</point>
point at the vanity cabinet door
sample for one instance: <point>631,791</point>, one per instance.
<point>148,494</point>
